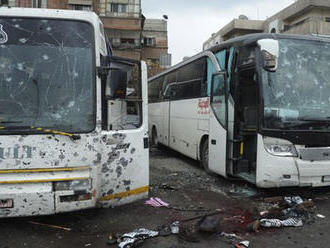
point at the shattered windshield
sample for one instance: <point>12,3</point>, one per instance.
<point>297,95</point>
<point>46,75</point>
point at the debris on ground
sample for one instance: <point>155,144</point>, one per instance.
<point>49,225</point>
<point>135,238</point>
<point>175,227</point>
<point>320,216</point>
<point>167,187</point>
<point>156,202</point>
<point>243,244</point>
<point>209,223</point>
<point>293,222</point>
<point>284,212</point>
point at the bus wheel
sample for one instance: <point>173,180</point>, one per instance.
<point>204,157</point>
<point>154,137</point>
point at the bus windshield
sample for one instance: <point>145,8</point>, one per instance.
<point>46,75</point>
<point>297,95</point>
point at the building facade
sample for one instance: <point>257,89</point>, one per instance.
<point>306,17</point>
<point>235,28</point>
<point>130,33</point>
<point>155,45</point>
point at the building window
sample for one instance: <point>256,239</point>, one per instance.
<point>39,3</point>
<point>149,41</point>
<point>118,8</point>
<point>82,7</point>
<point>327,19</point>
<point>12,3</point>
<point>127,41</point>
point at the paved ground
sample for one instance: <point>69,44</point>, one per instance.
<point>180,182</point>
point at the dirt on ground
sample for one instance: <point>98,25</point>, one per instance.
<point>190,193</point>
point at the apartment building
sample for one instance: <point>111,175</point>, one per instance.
<point>155,45</point>
<point>307,17</point>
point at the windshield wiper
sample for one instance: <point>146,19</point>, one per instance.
<point>47,130</point>
<point>310,118</point>
<point>10,122</point>
<point>308,123</point>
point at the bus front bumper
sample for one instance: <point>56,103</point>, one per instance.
<point>40,199</point>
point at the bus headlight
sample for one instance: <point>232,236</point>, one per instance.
<point>76,185</point>
<point>279,147</point>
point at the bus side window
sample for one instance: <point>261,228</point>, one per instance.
<point>169,79</point>
<point>170,92</point>
<point>191,79</point>
<point>124,95</point>
<point>155,89</point>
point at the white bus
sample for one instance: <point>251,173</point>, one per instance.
<point>255,107</point>
<point>73,117</point>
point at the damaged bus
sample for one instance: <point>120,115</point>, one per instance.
<point>73,117</point>
<point>254,107</point>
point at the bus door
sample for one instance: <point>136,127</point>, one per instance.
<point>218,124</point>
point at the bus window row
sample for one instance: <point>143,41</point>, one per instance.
<point>189,81</point>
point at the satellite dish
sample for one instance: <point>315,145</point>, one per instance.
<point>243,17</point>
<point>165,17</point>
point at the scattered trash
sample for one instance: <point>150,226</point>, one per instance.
<point>156,202</point>
<point>274,199</point>
<point>136,237</point>
<point>320,216</point>
<point>113,239</point>
<point>293,200</point>
<point>86,245</point>
<point>209,223</point>
<point>293,222</point>
<point>230,235</point>
<point>167,187</point>
<point>175,227</point>
<point>164,230</point>
<point>49,225</point>
<point>243,244</point>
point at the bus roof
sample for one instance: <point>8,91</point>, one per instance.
<point>50,13</point>
<point>244,40</point>
<point>250,39</point>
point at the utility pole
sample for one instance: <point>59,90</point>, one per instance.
<point>96,6</point>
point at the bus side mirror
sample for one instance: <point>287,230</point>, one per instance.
<point>270,51</point>
<point>118,84</point>
<point>269,61</point>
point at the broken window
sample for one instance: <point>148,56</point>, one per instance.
<point>47,75</point>
<point>299,90</point>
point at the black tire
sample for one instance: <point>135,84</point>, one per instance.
<point>154,137</point>
<point>204,156</point>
